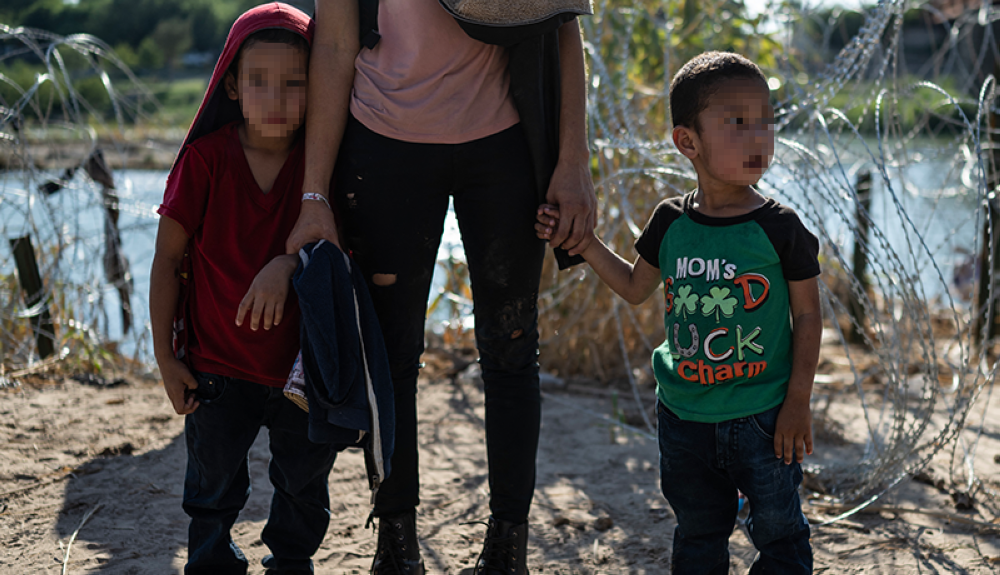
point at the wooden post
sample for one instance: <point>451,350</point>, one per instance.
<point>984,316</point>
<point>116,269</point>
<point>31,285</point>
<point>862,215</point>
<point>993,181</point>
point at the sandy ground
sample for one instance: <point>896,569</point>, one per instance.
<point>70,450</point>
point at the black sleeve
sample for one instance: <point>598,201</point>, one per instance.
<point>649,241</point>
<point>797,247</point>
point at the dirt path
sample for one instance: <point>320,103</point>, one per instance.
<point>67,449</point>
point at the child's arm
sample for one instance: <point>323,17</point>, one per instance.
<point>794,427</point>
<point>164,289</point>
<point>634,282</point>
<point>268,292</point>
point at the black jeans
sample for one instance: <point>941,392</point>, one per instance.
<point>393,197</point>
<point>217,483</point>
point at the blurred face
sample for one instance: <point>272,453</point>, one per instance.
<point>737,132</point>
<point>271,89</point>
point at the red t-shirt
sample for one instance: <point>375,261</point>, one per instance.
<point>235,230</point>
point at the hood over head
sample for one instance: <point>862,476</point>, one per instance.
<point>217,109</point>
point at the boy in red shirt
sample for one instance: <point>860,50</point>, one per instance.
<point>232,198</point>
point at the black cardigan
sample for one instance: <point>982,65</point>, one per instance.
<point>535,82</point>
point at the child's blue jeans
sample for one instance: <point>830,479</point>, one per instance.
<point>219,435</point>
<point>702,465</point>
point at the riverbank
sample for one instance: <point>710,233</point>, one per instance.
<point>152,152</point>
<point>105,465</point>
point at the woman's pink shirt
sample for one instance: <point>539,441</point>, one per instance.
<point>426,81</point>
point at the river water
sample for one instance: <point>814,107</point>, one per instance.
<point>946,223</point>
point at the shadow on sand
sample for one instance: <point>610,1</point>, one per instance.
<point>138,498</point>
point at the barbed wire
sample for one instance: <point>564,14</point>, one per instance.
<point>916,371</point>
<point>922,130</point>
<point>74,211</point>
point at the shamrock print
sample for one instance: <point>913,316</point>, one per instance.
<point>685,301</point>
<point>718,302</point>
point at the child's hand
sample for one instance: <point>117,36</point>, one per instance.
<point>548,221</point>
<point>267,294</point>
<point>179,385</point>
<point>793,432</point>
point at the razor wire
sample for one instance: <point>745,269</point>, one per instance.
<point>76,212</point>
<point>925,137</point>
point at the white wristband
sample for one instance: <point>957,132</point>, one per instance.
<point>317,197</point>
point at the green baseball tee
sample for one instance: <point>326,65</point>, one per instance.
<point>728,347</point>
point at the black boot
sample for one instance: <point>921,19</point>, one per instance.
<point>272,567</point>
<point>505,549</point>
<point>398,552</point>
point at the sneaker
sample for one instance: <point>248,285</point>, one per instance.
<point>505,549</point>
<point>398,552</point>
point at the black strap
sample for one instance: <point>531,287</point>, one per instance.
<point>368,18</point>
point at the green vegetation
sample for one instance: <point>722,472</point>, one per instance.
<point>832,28</point>
<point>85,79</point>
<point>202,24</point>
<point>180,98</point>
<point>149,36</point>
<point>644,45</point>
<point>906,106</point>
<point>647,41</point>
<point>917,108</point>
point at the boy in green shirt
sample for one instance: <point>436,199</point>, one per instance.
<point>734,376</point>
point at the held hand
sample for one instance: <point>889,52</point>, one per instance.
<point>315,223</point>
<point>548,220</point>
<point>572,189</point>
<point>179,385</point>
<point>267,294</point>
<point>793,432</point>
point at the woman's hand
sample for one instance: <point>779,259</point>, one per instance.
<point>315,223</point>
<point>267,294</point>
<point>572,190</point>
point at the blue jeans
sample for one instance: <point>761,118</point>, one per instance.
<point>219,435</point>
<point>702,465</point>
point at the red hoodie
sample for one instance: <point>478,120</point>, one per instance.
<point>235,229</point>
<point>217,109</point>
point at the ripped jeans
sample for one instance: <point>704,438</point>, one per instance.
<point>393,198</point>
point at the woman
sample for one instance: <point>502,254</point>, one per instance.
<point>431,117</point>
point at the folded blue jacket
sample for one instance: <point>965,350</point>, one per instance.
<point>346,368</point>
